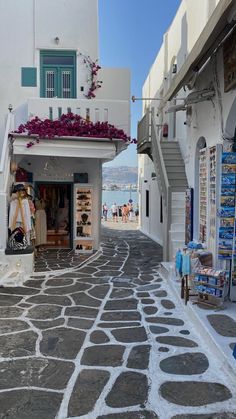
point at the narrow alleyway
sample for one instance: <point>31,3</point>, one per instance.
<point>107,341</point>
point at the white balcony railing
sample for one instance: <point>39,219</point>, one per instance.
<point>116,112</point>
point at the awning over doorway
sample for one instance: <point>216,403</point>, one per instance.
<point>103,149</point>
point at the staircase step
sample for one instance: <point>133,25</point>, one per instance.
<point>178,183</point>
<point>178,196</point>
<point>168,158</point>
<point>173,168</point>
<point>178,210</point>
<point>177,235</point>
<point>177,227</point>
<point>178,204</point>
<point>177,175</point>
<point>178,218</point>
<point>170,145</point>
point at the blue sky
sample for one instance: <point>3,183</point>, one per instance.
<point>130,35</point>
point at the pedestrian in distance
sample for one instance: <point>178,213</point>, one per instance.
<point>125,213</point>
<point>105,211</point>
<point>137,212</point>
<point>131,211</point>
<point>114,211</point>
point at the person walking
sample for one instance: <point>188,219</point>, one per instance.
<point>131,210</point>
<point>125,213</point>
<point>105,211</point>
<point>114,211</point>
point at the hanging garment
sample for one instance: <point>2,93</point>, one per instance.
<point>186,264</point>
<point>178,262</point>
<point>20,214</point>
<point>40,223</point>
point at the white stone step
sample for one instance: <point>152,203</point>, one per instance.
<point>178,211</point>
<point>178,195</point>
<point>178,218</point>
<point>177,235</point>
<point>177,227</point>
<point>178,204</point>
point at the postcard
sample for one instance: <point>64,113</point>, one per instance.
<point>229,158</point>
<point>227,222</point>
<point>229,168</point>
<point>227,201</point>
<point>228,190</point>
<point>228,179</point>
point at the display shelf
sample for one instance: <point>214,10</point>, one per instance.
<point>203,195</point>
<point>83,238</point>
<point>209,282</point>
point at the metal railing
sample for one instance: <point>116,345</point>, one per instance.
<point>144,131</point>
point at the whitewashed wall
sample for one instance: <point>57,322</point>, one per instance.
<point>187,25</point>
<point>26,26</point>
<point>149,225</point>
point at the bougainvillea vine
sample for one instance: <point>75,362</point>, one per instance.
<point>94,68</point>
<point>69,125</point>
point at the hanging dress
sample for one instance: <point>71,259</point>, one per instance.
<point>40,223</point>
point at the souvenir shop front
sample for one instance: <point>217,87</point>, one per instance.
<point>56,199</point>
<point>208,261</point>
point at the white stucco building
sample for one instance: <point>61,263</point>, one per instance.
<point>46,71</point>
<point>187,123</point>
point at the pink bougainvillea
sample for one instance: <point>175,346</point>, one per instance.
<point>70,125</point>
<point>94,68</point>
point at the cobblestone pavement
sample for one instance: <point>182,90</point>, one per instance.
<point>106,341</point>
<point>53,259</point>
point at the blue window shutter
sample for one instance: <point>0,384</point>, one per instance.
<point>28,77</point>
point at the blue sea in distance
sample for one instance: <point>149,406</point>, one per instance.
<point>119,197</point>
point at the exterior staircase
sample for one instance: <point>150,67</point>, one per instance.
<point>172,181</point>
<point>177,179</point>
<point>174,165</point>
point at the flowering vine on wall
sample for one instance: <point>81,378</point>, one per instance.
<point>69,125</point>
<point>93,68</point>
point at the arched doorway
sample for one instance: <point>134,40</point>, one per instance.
<point>198,187</point>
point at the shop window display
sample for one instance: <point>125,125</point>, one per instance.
<point>83,239</point>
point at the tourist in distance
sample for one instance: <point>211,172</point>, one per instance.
<point>105,211</point>
<point>125,213</point>
<point>131,210</point>
<point>114,211</point>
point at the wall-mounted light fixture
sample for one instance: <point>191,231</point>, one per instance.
<point>56,40</point>
<point>174,68</point>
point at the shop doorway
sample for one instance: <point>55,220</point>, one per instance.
<point>58,207</point>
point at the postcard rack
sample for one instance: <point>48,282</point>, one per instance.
<point>211,286</point>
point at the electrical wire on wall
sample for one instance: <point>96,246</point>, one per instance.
<point>216,82</point>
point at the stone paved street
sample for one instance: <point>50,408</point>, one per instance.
<point>109,341</point>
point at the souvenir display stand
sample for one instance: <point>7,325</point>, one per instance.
<point>83,238</point>
<point>227,219</point>
<point>203,195</point>
<point>211,286</point>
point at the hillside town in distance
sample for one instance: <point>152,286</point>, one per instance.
<point>120,178</point>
